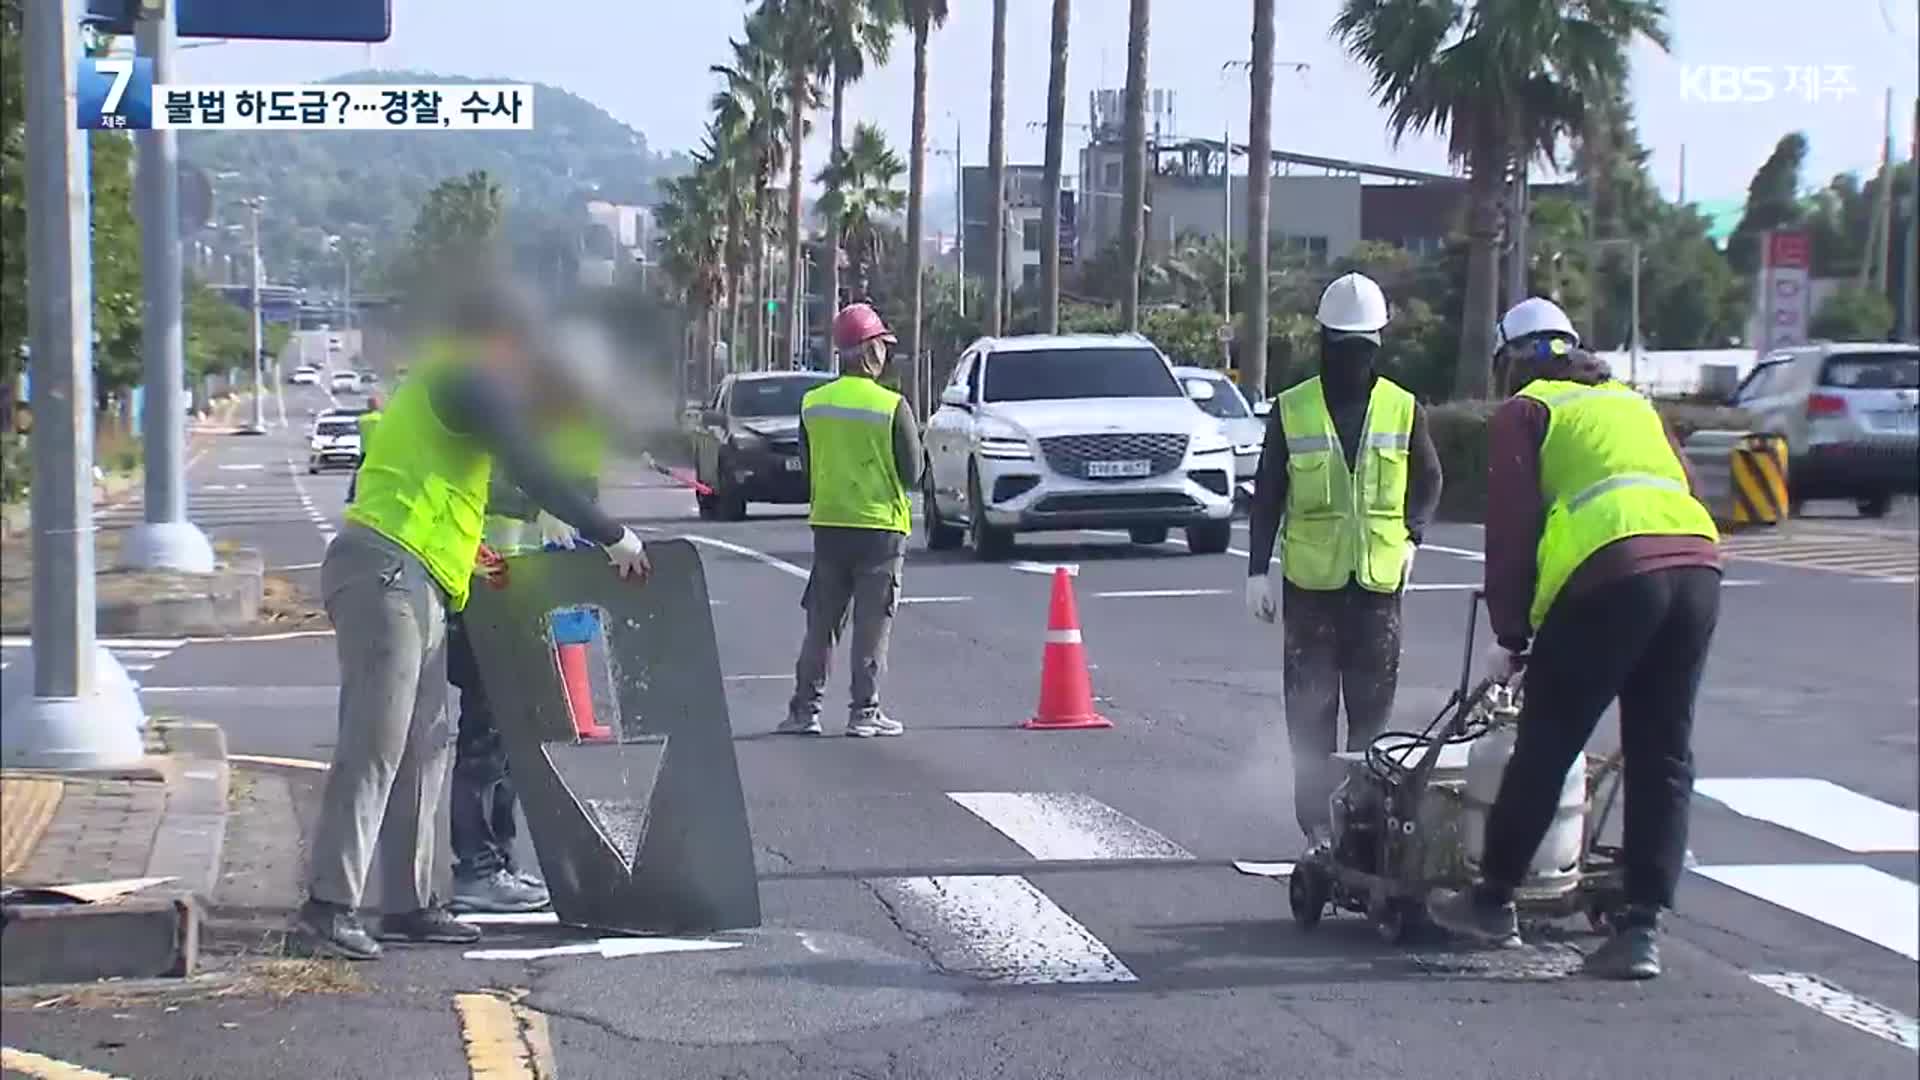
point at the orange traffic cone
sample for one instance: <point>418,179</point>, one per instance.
<point>1066,692</point>
<point>572,630</point>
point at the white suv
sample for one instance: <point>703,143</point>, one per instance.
<point>1076,432</point>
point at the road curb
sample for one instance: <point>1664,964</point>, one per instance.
<point>153,935</point>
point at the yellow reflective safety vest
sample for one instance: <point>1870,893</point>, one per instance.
<point>1346,523</point>
<point>425,488</point>
<point>850,469</point>
<point>1607,472</point>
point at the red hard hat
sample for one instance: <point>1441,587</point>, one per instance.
<point>858,324</point>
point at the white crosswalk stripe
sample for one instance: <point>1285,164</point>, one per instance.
<point>1878,556</point>
<point>136,655</point>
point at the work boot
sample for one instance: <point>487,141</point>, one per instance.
<point>799,725</point>
<point>430,924</point>
<point>1466,913</point>
<point>330,931</point>
<point>868,727</point>
<point>500,891</point>
<point>1633,952</point>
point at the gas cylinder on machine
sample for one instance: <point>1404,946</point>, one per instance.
<point>1558,857</point>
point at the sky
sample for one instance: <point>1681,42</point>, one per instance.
<point>647,64</point>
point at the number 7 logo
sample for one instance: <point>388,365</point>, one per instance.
<point>122,72</point>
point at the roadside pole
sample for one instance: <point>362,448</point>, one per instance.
<point>80,710</point>
<point>259,425</point>
<point>165,540</point>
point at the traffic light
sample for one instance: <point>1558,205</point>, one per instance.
<point>773,307</point>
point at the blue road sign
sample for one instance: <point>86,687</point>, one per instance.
<point>279,20</point>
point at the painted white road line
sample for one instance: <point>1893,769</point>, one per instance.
<point>1825,811</point>
<point>1073,569</point>
<point>1055,825</point>
<point>754,678</point>
<point>1465,553</point>
<point>295,566</point>
<point>777,563</point>
<point>1870,904</point>
<point>167,645</point>
<point>249,639</point>
<point>1264,869</point>
<point>255,467</point>
<point>509,918</point>
<point>1850,1009</point>
<point>1154,594</point>
<point>280,762</point>
<point>1001,929</point>
<point>608,948</point>
<point>936,599</point>
<point>1442,586</point>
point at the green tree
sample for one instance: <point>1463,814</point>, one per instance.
<point>798,29</point>
<point>457,225</point>
<point>1853,314</point>
<point>752,107</point>
<point>691,220</point>
<point>859,192</point>
<point>923,18</point>
<point>857,32</point>
<point>116,267</point>
<point>1506,79</point>
<point>1773,202</point>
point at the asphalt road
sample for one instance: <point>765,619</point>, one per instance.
<point>974,900</point>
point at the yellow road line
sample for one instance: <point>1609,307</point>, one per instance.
<point>41,1067</point>
<point>28,803</point>
<point>504,1039</point>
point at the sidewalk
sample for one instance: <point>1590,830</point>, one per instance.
<point>105,873</point>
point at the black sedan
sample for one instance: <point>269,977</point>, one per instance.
<point>747,447</point>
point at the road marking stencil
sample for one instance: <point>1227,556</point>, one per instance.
<point>1850,1009</point>
<point>1821,809</point>
<point>1067,826</point>
<point>1870,904</point>
<point>999,928</point>
<point>612,948</point>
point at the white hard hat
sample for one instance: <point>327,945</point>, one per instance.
<point>1353,304</point>
<point>1535,315</point>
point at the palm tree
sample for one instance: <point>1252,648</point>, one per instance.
<point>1253,300</point>
<point>1506,81</point>
<point>754,102</point>
<point>997,173</point>
<point>1133,181</point>
<point>727,150</point>
<point>857,31</point>
<point>859,192</point>
<point>799,29</point>
<point>691,220</point>
<point>1056,152</point>
<point>923,16</point>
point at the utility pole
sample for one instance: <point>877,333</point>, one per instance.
<point>959,217</point>
<point>81,711</point>
<point>259,426</point>
<point>165,539</point>
<point>1910,255</point>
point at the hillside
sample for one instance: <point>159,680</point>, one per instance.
<point>366,185</point>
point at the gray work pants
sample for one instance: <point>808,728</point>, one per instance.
<point>1342,644</point>
<point>391,755</point>
<point>857,568</point>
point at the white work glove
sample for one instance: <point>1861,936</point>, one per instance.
<point>1406,572</point>
<point>629,556</point>
<point>1503,663</point>
<point>556,532</point>
<point>1260,598</point>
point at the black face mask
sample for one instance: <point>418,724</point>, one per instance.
<point>1346,367</point>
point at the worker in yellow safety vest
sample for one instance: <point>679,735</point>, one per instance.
<point>861,450</point>
<point>1602,583</point>
<point>404,560</point>
<point>1348,464</point>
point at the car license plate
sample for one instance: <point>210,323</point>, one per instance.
<point>792,465</point>
<point>1900,420</point>
<point>1107,470</point>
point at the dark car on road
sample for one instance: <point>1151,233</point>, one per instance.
<point>747,447</point>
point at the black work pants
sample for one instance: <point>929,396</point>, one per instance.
<point>481,815</point>
<point>1642,640</point>
<point>1340,644</point>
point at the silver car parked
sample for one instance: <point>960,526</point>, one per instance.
<point>1850,413</point>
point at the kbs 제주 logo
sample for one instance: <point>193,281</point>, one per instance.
<point>115,92</point>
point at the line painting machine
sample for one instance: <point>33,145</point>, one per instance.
<point>1409,817</point>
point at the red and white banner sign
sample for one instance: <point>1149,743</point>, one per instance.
<point>1784,285</point>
